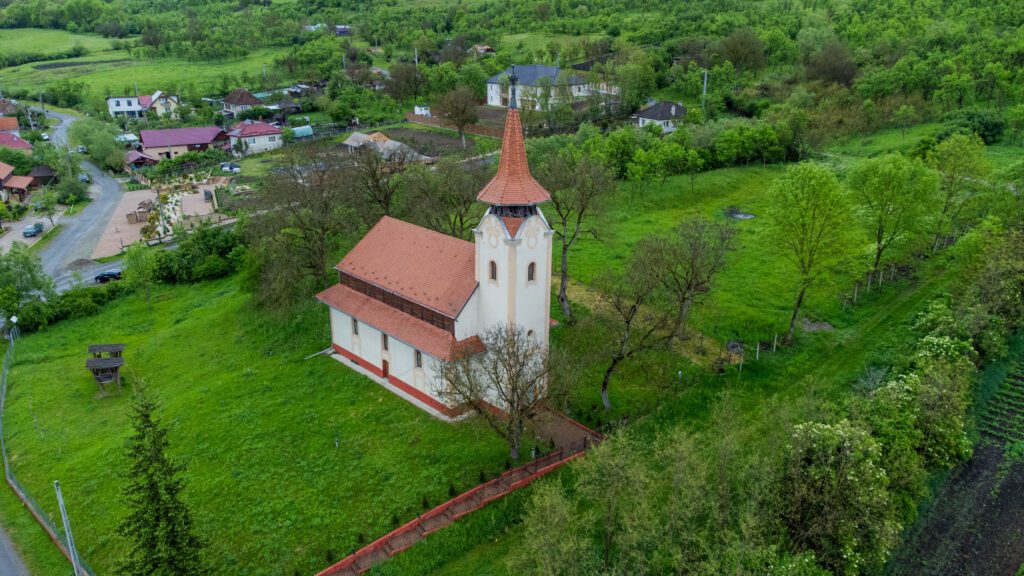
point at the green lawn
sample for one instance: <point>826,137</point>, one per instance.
<point>895,140</point>
<point>115,72</point>
<point>752,298</point>
<point>291,462</point>
<point>46,41</point>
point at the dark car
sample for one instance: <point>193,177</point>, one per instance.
<point>108,276</point>
<point>84,178</point>
<point>32,230</point>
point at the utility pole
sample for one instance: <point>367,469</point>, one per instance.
<point>72,551</point>
<point>704,96</point>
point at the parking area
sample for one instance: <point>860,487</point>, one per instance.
<point>125,225</point>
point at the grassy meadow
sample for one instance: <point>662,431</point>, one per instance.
<point>752,297</point>
<point>111,72</point>
<point>291,462</point>
<point>894,140</point>
<point>47,41</point>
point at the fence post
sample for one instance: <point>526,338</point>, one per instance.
<point>775,342</point>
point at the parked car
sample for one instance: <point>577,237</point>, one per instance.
<point>230,167</point>
<point>83,177</point>
<point>82,149</point>
<point>45,137</point>
<point>32,230</point>
<point>108,276</point>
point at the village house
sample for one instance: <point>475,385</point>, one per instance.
<point>11,184</point>
<point>173,142</point>
<point>8,107</point>
<point>139,106</point>
<point>538,84</point>
<point>342,30</point>
<point>9,125</point>
<point>667,115</point>
<point>252,137</point>
<point>384,146</point>
<point>239,100</point>
<point>409,298</point>
<point>14,142</point>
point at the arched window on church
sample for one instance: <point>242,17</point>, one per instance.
<point>494,271</point>
<point>531,272</point>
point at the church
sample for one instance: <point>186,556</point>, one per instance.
<point>408,298</point>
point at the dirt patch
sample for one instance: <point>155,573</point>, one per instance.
<point>975,525</point>
<point>429,143</point>
<point>55,65</point>
<point>491,116</point>
<point>812,326</point>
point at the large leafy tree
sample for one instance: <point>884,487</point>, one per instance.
<point>458,108</point>
<point>810,221</point>
<point>894,194</point>
<point>962,166</point>
<point>835,498</point>
<point>159,526</point>
<point>577,183</point>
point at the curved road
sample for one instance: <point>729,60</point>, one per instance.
<point>69,252</point>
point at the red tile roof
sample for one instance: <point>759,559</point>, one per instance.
<point>513,185</point>
<point>241,96</point>
<point>145,101</point>
<point>429,268</point>
<point>18,182</point>
<point>8,140</point>
<point>179,136</point>
<point>251,128</point>
<point>8,123</point>
<point>5,171</point>
<point>396,324</point>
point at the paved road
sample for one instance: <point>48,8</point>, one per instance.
<point>10,562</point>
<point>70,252</point>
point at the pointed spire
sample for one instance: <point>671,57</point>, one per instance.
<point>513,185</point>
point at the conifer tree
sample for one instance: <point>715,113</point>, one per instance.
<point>159,526</point>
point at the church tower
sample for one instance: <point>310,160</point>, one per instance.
<point>514,241</point>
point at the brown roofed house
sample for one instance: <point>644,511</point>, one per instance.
<point>240,100</point>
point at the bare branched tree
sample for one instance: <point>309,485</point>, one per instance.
<point>299,218</point>
<point>641,319</point>
<point>458,108</point>
<point>687,261</point>
<point>577,185</point>
<point>443,198</point>
<point>376,182</point>
<point>505,384</point>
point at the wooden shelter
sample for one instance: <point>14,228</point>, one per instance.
<point>105,369</point>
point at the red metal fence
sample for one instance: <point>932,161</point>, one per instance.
<point>420,527</point>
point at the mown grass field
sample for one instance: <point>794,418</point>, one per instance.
<point>113,72</point>
<point>894,140</point>
<point>40,41</point>
<point>291,462</point>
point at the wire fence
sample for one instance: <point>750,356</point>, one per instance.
<point>55,532</point>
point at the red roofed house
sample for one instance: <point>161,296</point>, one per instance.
<point>408,297</point>
<point>173,142</point>
<point>11,184</point>
<point>9,124</point>
<point>163,105</point>
<point>15,142</point>
<point>252,137</point>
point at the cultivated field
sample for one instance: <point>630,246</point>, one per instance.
<point>291,463</point>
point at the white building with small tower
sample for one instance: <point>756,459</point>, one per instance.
<point>408,298</point>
